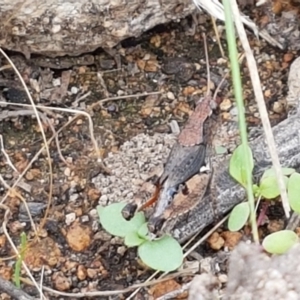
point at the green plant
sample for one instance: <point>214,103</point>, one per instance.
<point>244,154</point>
<point>241,164</point>
<point>19,261</point>
<point>267,188</point>
<point>163,254</point>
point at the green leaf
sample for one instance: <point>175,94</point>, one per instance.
<point>164,254</point>
<point>280,242</point>
<point>256,190</point>
<point>132,239</point>
<point>239,216</point>
<point>271,172</point>
<point>18,265</point>
<point>269,188</point>
<point>237,165</point>
<point>294,192</point>
<point>113,222</point>
<point>143,231</point>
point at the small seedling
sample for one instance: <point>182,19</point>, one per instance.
<point>239,216</point>
<point>293,189</point>
<point>18,265</point>
<point>278,242</point>
<point>237,165</point>
<point>163,254</point>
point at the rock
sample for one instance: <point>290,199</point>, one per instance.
<point>253,273</point>
<point>204,287</point>
<point>61,282</point>
<point>225,105</point>
<point>70,218</point>
<point>78,236</point>
<point>81,272</point>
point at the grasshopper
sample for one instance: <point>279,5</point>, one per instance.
<point>187,157</point>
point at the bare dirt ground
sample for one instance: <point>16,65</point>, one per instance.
<point>71,249</point>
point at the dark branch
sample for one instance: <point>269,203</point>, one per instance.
<point>13,291</point>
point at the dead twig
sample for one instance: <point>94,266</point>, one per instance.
<point>33,106</point>
<point>73,111</point>
<point>123,97</point>
<point>12,114</point>
<point>174,294</point>
<point>115,292</point>
<point>13,291</point>
<point>46,119</point>
<point>16,182</point>
<point>101,80</point>
<point>79,98</point>
<point>6,155</point>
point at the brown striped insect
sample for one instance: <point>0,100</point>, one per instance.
<point>185,160</point>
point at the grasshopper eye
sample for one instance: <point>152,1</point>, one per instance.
<point>155,225</point>
<point>172,191</point>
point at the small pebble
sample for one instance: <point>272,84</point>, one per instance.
<point>278,107</point>
<point>67,172</point>
<point>74,90</point>
<point>70,218</point>
<point>170,96</point>
<point>93,213</point>
<point>85,219</point>
<point>225,105</point>
<point>103,199</point>
<point>74,197</point>
<point>112,108</point>
<point>56,82</point>
<point>81,272</point>
<point>174,127</point>
<point>223,278</point>
<point>234,111</point>
<point>121,250</point>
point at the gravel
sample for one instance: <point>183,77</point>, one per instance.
<point>134,163</point>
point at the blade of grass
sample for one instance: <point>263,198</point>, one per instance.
<point>238,92</point>
<point>17,272</point>
<point>261,106</point>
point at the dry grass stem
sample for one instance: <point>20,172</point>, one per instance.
<point>261,105</point>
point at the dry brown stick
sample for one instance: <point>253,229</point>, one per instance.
<point>113,292</point>
<point>36,156</point>
<point>12,114</point>
<point>124,97</point>
<point>46,119</point>
<point>33,106</point>
<point>6,155</point>
<point>73,111</point>
<point>175,293</point>
<point>7,114</point>
<point>8,288</point>
<point>261,105</point>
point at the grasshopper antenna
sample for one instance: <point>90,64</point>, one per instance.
<point>240,58</point>
<point>208,72</point>
<point>207,64</point>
